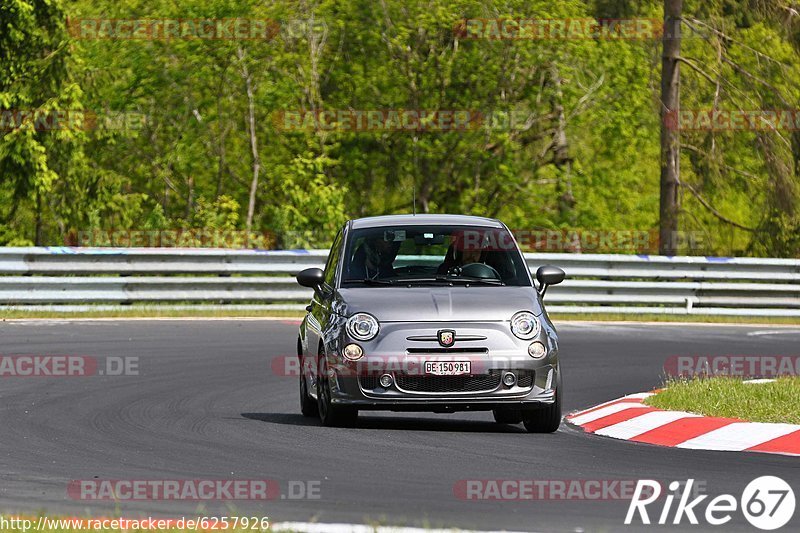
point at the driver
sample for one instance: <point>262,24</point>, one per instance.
<point>459,255</point>
<point>374,258</point>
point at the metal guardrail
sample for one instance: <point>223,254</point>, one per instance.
<point>63,278</point>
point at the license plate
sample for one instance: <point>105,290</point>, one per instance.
<point>447,368</point>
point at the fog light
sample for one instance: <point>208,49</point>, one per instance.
<point>386,381</point>
<point>537,350</point>
<point>353,352</point>
<point>509,379</point>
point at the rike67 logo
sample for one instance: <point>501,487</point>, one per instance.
<point>767,502</point>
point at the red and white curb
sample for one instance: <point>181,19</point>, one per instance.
<point>628,418</point>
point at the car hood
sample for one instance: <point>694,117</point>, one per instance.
<point>433,304</point>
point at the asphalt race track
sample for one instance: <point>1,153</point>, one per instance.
<point>206,404</point>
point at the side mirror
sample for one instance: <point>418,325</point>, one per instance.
<point>311,277</point>
<point>549,275</point>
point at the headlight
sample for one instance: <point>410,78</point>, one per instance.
<point>525,325</point>
<point>362,326</point>
<point>537,350</point>
<point>353,352</point>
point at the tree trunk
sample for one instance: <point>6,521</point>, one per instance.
<point>670,133</point>
<point>251,120</point>
<point>796,162</point>
<point>38,231</point>
<point>189,197</point>
<point>561,157</point>
<point>223,131</point>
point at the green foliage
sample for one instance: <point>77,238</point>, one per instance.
<point>315,208</point>
<point>190,163</point>
<point>222,213</point>
<point>34,79</point>
<point>155,220</point>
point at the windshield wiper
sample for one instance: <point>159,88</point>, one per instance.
<point>449,279</point>
<point>431,279</point>
<point>370,281</point>
<point>485,281</point>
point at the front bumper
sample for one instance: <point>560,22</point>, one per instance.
<point>402,349</point>
<point>350,390</point>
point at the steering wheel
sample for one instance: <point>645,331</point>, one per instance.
<point>475,270</point>
<point>412,269</point>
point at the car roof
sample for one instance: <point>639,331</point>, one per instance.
<point>425,220</point>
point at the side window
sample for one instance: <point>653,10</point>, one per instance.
<point>333,259</point>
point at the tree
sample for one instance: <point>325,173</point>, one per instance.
<point>670,136</point>
<point>34,83</point>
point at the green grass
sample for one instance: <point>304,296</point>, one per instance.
<point>777,401</point>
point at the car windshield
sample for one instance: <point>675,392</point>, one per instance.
<point>467,255</point>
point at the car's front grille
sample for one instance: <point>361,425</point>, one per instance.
<point>525,379</point>
<point>368,382</point>
<point>467,383</point>
<point>439,351</point>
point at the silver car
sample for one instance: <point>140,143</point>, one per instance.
<point>429,313</point>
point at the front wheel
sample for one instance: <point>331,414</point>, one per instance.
<point>546,419</point>
<point>331,415</point>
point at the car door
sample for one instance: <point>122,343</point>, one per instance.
<point>318,318</point>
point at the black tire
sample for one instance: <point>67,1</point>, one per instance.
<point>308,406</point>
<point>507,415</point>
<point>329,414</point>
<point>544,419</point>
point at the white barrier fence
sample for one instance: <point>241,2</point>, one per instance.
<point>61,278</point>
